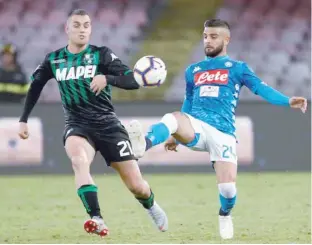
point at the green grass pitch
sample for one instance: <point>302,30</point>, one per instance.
<point>271,208</point>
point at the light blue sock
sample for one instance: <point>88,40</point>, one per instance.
<point>158,134</point>
<point>226,204</point>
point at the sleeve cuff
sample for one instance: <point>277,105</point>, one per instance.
<point>110,80</point>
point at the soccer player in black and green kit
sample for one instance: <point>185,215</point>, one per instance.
<point>85,74</point>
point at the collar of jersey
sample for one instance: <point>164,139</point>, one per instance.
<point>216,58</point>
<point>82,52</point>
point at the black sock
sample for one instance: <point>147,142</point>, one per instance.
<point>222,213</point>
<point>147,203</point>
<point>149,143</point>
<point>89,198</point>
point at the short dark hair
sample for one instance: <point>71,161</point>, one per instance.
<point>217,23</point>
<point>77,12</point>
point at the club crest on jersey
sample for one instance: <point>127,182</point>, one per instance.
<point>228,64</point>
<point>219,76</point>
<point>88,59</point>
<point>196,69</point>
<point>66,74</point>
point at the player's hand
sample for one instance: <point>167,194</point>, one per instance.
<point>298,103</point>
<point>23,130</point>
<point>98,84</point>
<point>171,145</point>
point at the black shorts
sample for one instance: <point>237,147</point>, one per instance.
<point>114,145</point>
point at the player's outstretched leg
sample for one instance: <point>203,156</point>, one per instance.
<point>176,123</point>
<point>226,176</point>
<point>81,154</point>
<point>130,174</point>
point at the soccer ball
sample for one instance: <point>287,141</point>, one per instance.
<point>150,71</point>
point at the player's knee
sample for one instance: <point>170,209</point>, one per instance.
<point>78,162</point>
<point>227,195</point>
<point>177,114</point>
<point>185,132</point>
<point>180,117</point>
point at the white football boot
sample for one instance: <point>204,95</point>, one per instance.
<point>159,217</point>
<point>226,227</point>
<point>137,138</point>
<point>96,226</point>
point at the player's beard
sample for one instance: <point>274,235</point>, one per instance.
<point>215,52</point>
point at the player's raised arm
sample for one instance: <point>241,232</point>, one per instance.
<point>187,103</point>
<point>268,93</point>
<point>117,74</point>
<point>39,78</point>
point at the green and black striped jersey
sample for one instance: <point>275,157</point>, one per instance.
<point>74,73</point>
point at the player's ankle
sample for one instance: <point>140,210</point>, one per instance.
<point>224,213</point>
<point>98,216</point>
<point>149,144</point>
<point>95,214</point>
<point>147,203</point>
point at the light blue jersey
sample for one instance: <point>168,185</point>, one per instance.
<point>212,91</point>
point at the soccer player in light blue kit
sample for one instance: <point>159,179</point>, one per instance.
<point>206,121</point>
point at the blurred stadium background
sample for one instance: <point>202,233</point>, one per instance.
<point>273,36</point>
